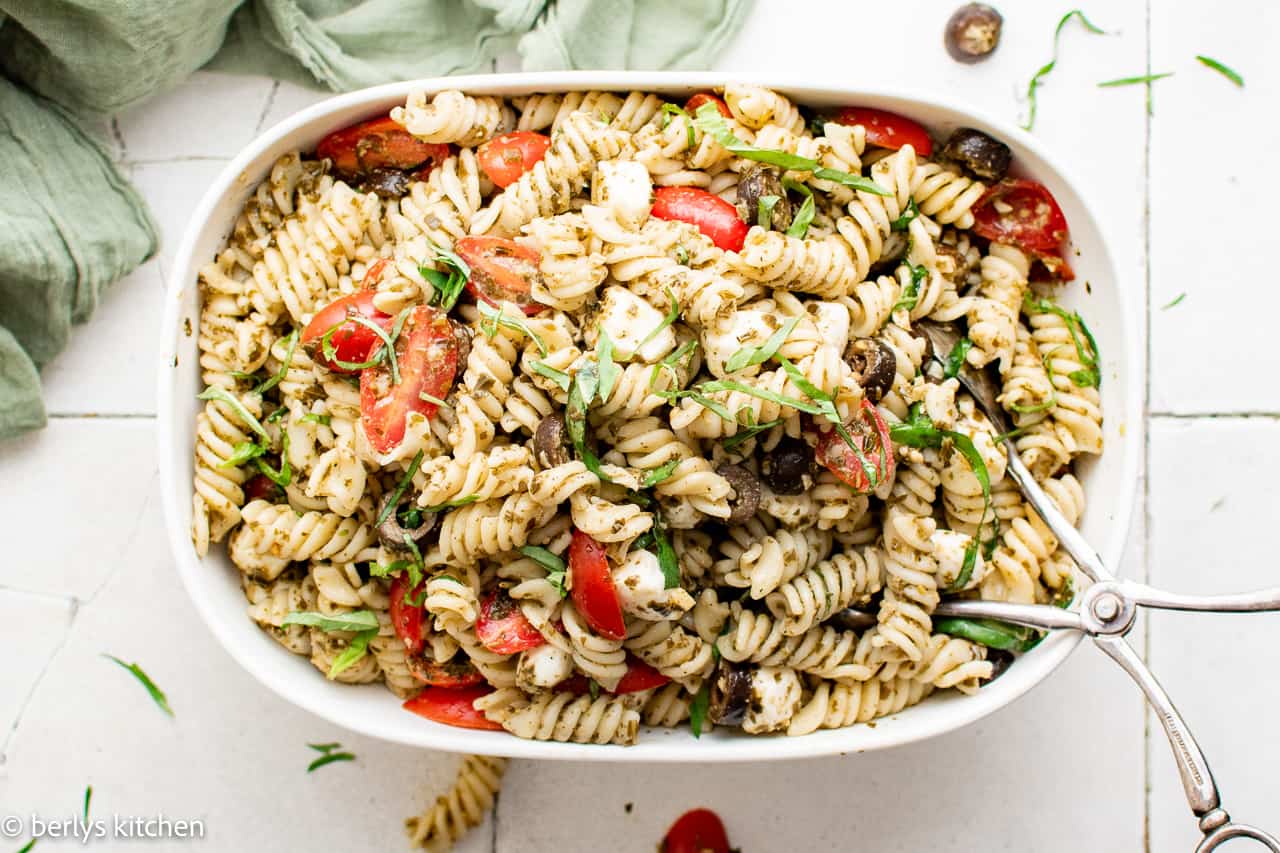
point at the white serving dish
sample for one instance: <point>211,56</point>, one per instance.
<point>213,582</point>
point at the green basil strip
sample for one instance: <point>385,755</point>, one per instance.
<point>400,487</point>
<point>324,748</point>
<point>1131,81</point>
<point>576,423</point>
<point>606,369</point>
<point>666,556</point>
<point>388,340</point>
<point>283,370</point>
<point>156,694</point>
<point>499,318</point>
<point>672,316</point>
<point>559,377</point>
<point>1036,79</point>
<point>587,381</point>
<point>213,392</point>
<point>911,293</point>
<point>764,210</point>
<point>669,363</point>
<point>739,437</point>
<point>750,356</point>
<point>804,216</point>
<point>314,418</point>
<point>761,393</point>
<point>453,504</point>
<point>966,568</point>
<point>1233,76</point>
<point>88,798</point>
<point>657,475</point>
<point>549,561</point>
<point>955,358</point>
<point>448,287</point>
<point>991,633</point>
<point>1177,300</point>
<point>242,453</point>
<point>423,395</point>
<point>710,121</point>
<point>827,408</point>
<point>354,651</point>
<point>356,620</point>
<point>330,758</point>
<point>377,570</point>
<point>284,476</point>
<point>1088,376</point>
<point>670,110</point>
<point>903,222</point>
<point>331,353</point>
<point>698,708</point>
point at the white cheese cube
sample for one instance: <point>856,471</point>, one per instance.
<point>628,320</point>
<point>624,187</point>
<point>949,547</point>
<point>774,699</point>
<point>730,333</point>
<point>542,667</point>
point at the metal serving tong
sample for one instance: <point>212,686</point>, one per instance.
<point>1106,612</point>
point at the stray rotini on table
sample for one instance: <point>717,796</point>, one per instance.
<point>569,413</point>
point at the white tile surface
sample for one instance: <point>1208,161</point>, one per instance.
<point>1219,669</point>
<point>1063,769</point>
<point>1239,186</point>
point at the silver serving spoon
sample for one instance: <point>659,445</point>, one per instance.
<point>1106,613</point>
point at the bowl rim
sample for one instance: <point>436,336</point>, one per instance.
<point>962,711</point>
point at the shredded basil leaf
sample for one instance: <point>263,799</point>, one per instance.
<point>657,475</point>
<point>214,392</point>
<point>710,121</point>
<point>587,381</point>
<point>423,395</point>
<point>354,651</point>
<point>1176,301</point>
<point>991,633</point>
<point>672,316</point>
<point>283,370</point>
<point>955,358</point>
<point>666,555</point>
<point>242,453</point>
<point>669,110</point>
<point>453,504</point>
<point>1130,81</point>
<point>330,758</point>
<point>1039,76</point>
<point>763,394</point>
<point>29,846</point>
<point>324,747</point>
<point>284,476</point>
<point>764,210</point>
<point>377,570</point>
<point>911,293</point>
<point>331,353</point>
<point>698,708</point>
<point>669,364</point>
<point>576,423</point>
<point>739,437</point>
<point>88,797</point>
<point>751,356</point>
<point>1088,376</point>
<point>400,487</point>
<point>448,286</point>
<point>356,620</point>
<point>682,254</point>
<point>498,318</point>
<point>966,568</point>
<point>1233,76</point>
<point>606,369</point>
<point>559,377</point>
<point>554,565</point>
<point>156,694</point>
<point>903,222</point>
<point>804,216</point>
<point>314,418</point>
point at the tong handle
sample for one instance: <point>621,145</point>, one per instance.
<point>1242,602</point>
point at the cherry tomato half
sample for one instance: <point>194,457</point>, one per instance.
<point>888,130</point>
<point>713,216</point>
<point>379,143</point>
<point>691,105</point>
<point>427,356</point>
<point>405,617</point>
<point>1051,268</point>
<point>593,591</point>
<point>1022,213</point>
<point>502,626</point>
<point>697,831</point>
<point>260,487</point>
<point>352,342</point>
<point>501,270</point>
<point>455,673</point>
<point>452,706</point>
<point>872,437</point>
<point>505,158</point>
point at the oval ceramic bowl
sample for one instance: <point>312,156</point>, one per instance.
<point>213,582</point>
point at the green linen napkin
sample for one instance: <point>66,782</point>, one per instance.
<point>70,224</point>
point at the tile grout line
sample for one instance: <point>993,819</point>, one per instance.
<point>266,107</point>
<point>1146,441</point>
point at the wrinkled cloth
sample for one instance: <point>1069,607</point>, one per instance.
<point>70,224</point>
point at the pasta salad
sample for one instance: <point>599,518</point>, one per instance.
<point>567,413</point>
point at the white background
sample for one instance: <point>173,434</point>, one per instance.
<point>1186,196</point>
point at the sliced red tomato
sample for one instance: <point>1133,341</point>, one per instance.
<point>427,357</point>
<point>455,673</point>
<point>452,706</point>
<point>1021,213</point>
<point>501,270</point>
<point>697,831</point>
<point>1051,268</point>
<point>888,130</point>
<point>502,626</point>
<point>691,105</point>
<point>260,487</point>
<point>712,215</point>
<point>505,158</point>
<point>640,676</point>
<point>379,143</point>
<point>352,342</point>
<point>871,434</point>
<point>593,591</point>
<point>405,617</point>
